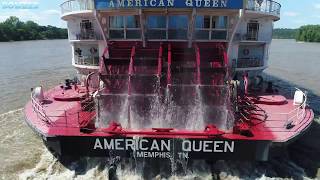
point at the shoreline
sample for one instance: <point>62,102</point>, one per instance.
<point>32,40</point>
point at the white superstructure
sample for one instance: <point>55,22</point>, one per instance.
<point>248,31</point>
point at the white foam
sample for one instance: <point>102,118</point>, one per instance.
<point>11,112</point>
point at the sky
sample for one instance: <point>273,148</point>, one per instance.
<point>294,13</point>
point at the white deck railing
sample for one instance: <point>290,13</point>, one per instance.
<point>86,60</point>
<point>76,5</point>
<point>293,117</point>
<point>39,110</point>
<point>251,62</point>
<point>265,6</point>
<point>60,115</point>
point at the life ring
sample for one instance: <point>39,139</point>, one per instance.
<point>93,50</point>
<point>246,52</point>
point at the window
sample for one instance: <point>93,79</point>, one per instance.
<point>167,27</point>
<point>203,22</point>
<point>133,27</point>
<point>178,27</point>
<point>87,55</point>
<point>252,31</point>
<point>86,30</point>
<point>219,22</point>
<point>202,27</point>
<point>86,24</point>
<point>124,27</point>
<point>156,26</point>
<point>156,22</point>
<point>116,22</point>
<point>211,27</point>
<point>133,22</point>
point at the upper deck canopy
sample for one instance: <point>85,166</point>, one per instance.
<point>220,4</point>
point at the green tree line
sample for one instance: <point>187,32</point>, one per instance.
<point>12,29</point>
<point>285,33</point>
<point>308,33</point>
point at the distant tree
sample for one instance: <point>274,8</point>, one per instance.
<point>309,33</point>
<point>12,29</point>
<point>285,33</point>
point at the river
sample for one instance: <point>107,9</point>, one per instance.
<point>27,64</point>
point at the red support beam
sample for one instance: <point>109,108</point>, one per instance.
<point>102,66</point>
<point>169,65</point>
<point>160,60</point>
<point>224,54</point>
<point>225,58</point>
<point>198,61</point>
<point>133,52</point>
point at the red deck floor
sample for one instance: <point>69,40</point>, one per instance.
<point>64,117</point>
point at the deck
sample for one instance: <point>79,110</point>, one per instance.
<point>65,118</point>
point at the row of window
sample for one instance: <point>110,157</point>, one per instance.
<point>168,27</point>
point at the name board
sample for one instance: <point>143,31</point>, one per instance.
<point>165,148</point>
<point>117,4</point>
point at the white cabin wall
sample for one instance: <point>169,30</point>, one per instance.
<point>265,30</point>
<point>73,55</point>
<point>265,35</point>
<point>255,51</point>
<point>267,48</point>
<point>102,46</point>
<point>242,28</point>
<point>233,53</point>
<point>266,54</point>
<point>74,28</point>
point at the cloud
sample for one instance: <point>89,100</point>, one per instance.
<point>22,14</point>
<point>317,6</point>
<point>290,14</point>
<point>51,12</point>
<point>316,16</point>
<point>45,17</point>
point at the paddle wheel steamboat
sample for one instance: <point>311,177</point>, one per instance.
<point>168,79</point>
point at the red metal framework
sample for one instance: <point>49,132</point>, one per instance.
<point>131,71</point>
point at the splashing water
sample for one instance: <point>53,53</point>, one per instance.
<point>184,108</point>
<point>195,119</point>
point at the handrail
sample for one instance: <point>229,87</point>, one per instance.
<point>38,108</point>
<point>249,62</point>
<point>294,116</point>
<point>76,5</point>
<point>266,6</point>
<point>86,60</point>
<point>90,35</point>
